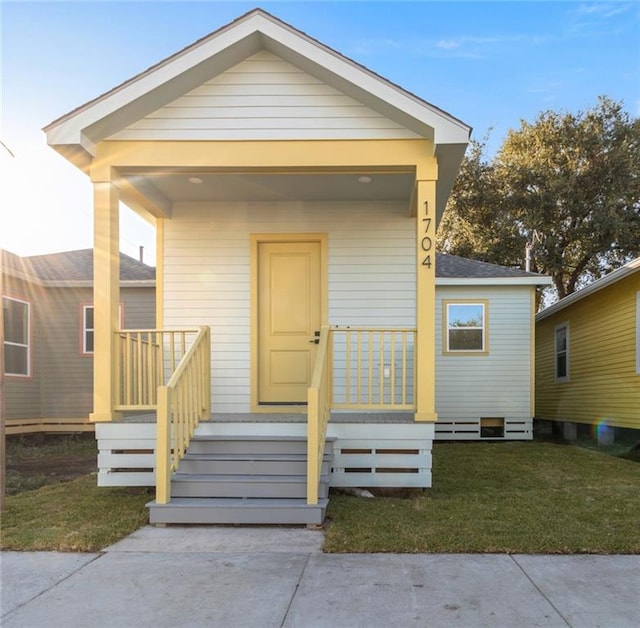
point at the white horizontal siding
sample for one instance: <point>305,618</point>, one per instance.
<point>264,97</point>
<point>371,272</point>
<point>493,385</point>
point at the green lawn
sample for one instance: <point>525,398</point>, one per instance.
<point>487,497</point>
<point>501,497</point>
<point>74,516</point>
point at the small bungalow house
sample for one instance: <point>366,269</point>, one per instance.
<point>588,356</point>
<point>295,196</point>
<point>47,311</point>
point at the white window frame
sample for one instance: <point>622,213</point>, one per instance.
<point>556,353</point>
<point>26,346</point>
<point>85,329</point>
<point>447,328</point>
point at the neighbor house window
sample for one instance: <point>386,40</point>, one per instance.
<point>17,334</point>
<point>88,328</point>
<point>466,327</point>
<point>562,352</point>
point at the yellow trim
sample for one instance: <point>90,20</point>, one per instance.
<point>255,239</point>
<point>106,298</point>
<point>445,327</point>
<point>281,155</point>
<point>160,273</point>
<point>425,364</point>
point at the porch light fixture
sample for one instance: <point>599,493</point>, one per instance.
<point>195,180</point>
<point>364,179</point>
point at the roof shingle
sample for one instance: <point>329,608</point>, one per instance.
<point>74,266</point>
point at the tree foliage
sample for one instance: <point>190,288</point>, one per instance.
<point>572,178</point>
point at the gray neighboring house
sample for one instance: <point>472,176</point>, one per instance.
<point>48,334</point>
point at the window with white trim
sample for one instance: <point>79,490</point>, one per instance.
<point>88,328</point>
<point>466,327</point>
<point>17,334</point>
<point>561,352</point>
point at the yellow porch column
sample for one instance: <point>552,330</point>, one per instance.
<point>106,297</point>
<point>425,301</point>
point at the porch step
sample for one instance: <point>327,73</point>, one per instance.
<point>244,486</point>
<point>251,463</point>
<point>244,480</point>
<point>182,510</point>
<point>202,443</point>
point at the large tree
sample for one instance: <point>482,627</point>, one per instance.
<point>572,178</point>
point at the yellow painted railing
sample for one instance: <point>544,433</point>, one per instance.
<point>182,403</point>
<point>374,368</point>
<point>146,359</point>
<point>356,368</point>
<point>318,413</point>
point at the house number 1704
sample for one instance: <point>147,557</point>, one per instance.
<point>426,244</point>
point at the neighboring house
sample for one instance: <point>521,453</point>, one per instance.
<point>588,355</point>
<point>296,196</point>
<point>47,303</point>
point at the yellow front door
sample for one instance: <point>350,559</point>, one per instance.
<point>289,315</point>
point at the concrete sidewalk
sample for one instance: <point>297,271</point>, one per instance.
<point>263,577</point>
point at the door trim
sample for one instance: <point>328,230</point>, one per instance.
<point>255,240</point>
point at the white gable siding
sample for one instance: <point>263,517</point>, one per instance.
<point>493,385</point>
<point>371,268</point>
<point>264,97</point>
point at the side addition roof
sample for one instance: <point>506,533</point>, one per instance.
<point>454,270</point>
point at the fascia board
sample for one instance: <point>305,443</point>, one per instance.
<point>620,273</point>
<point>493,281</point>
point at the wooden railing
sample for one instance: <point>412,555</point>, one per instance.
<point>146,359</point>
<point>182,403</point>
<point>318,413</point>
<point>374,368</point>
<point>356,368</point>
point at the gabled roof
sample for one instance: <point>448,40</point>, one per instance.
<point>454,270</point>
<point>72,266</point>
<point>613,277</point>
<point>76,133</point>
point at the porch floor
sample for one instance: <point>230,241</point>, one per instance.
<point>285,417</point>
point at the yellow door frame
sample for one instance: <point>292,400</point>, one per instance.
<point>256,239</point>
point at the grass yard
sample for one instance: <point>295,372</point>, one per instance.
<point>508,497</point>
<point>538,497</point>
<point>74,516</point>
<point>53,502</point>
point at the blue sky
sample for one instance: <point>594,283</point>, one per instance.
<point>490,64</point>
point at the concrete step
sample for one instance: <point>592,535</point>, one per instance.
<point>183,510</point>
<point>201,444</point>
<point>264,486</point>
<point>248,464</point>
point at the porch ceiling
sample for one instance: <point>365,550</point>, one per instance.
<point>196,186</point>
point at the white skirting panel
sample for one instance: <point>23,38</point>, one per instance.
<point>126,454</point>
<point>381,454</point>
<point>470,429</point>
<point>364,454</point>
